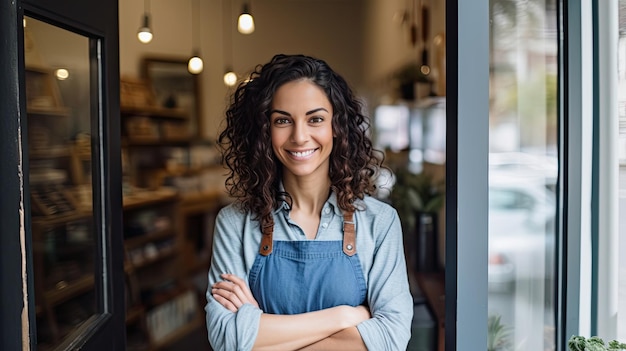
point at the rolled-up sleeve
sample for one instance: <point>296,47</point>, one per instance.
<point>389,296</point>
<point>228,330</point>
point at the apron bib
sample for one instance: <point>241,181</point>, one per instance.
<point>292,277</point>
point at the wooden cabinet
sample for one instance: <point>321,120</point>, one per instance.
<point>171,199</point>
<point>161,305</point>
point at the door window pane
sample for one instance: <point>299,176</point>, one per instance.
<point>59,108</point>
<point>621,314</point>
<point>523,172</point>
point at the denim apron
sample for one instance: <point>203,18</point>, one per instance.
<point>291,277</point>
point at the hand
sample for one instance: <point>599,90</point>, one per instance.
<point>232,292</point>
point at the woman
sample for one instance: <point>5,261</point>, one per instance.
<point>305,258</point>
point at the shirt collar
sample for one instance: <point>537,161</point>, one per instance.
<point>332,202</point>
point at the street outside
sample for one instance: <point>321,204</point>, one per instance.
<point>621,323</point>
<point>526,308</point>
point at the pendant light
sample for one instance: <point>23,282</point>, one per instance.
<point>144,34</point>
<point>245,24</point>
<point>230,77</point>
<point>195,65</point>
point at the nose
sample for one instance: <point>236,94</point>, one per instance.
<point>299,133</point>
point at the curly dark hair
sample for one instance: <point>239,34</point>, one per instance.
<point>255,173</point>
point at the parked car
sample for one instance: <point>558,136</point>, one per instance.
<point>521,223</point>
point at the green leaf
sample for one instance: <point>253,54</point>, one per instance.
<point>497,334</point>
<point>577,343</point>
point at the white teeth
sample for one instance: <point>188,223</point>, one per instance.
<point>303,154</point>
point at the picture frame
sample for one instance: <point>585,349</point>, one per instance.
<point>175,87</point>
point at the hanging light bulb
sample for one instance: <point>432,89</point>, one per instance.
<point>62,73</point>
<point>195,65</point>
<point>245,24</point>
<point>144,34</point>
<point>230,78</point>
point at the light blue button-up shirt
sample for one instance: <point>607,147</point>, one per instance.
<point>380,249</point>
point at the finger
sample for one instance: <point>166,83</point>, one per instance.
<point>230,288</point>
<point>224,302</point>
<point>246,294</point>
<point>236,285</point>
<point>225,285</point>
<point>231,296</point>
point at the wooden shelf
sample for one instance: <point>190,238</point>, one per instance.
<point>207,196</point>
<point>140,240</point>
<point>48,111</point>
<point>154,111</point>
<point>58,151</point>
<point>149,261</point>
<point>80,286</point>
<point>155,141</point>
<point>61,219</point>
<point>145,198</point>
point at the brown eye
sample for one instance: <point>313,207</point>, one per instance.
<point>281,121</point>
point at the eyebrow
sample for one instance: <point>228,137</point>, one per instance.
<point>308,112</point>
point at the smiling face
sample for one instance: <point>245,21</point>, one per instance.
<point>301,129</point>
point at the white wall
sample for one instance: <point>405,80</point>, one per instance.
<point>358,38</point>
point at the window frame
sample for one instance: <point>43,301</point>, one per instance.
<point>467,172</point>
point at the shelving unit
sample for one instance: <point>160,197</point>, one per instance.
<point>167,222</point>
<point>153,266</point>
<point>164,303</point>
<point>63,243</point>
<point>64,274</point>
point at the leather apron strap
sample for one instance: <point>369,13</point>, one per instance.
<point>267,242</point>
<point>349,237</point>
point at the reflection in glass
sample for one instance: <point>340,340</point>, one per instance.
<point>523,171</point>
<point>59,142</point>
<point>621,93</point>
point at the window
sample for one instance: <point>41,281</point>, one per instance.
<point>523,171</point>
<point>621,317</point>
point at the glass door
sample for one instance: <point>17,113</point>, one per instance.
<point>523,171</point>
<point>60,159</point>
<point>68,161</point>
<point>621,93</point>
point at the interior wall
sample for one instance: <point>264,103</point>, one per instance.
<point>388,47</point>
<point>362,39</point>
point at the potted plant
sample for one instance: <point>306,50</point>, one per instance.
<point>497,334</point>
<point>418,197</point>
<point>594,343</point>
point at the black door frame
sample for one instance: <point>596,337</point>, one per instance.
<point>99,21</point>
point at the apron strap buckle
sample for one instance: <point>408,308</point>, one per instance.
<point>349,235</point>
<point>267,240</point>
